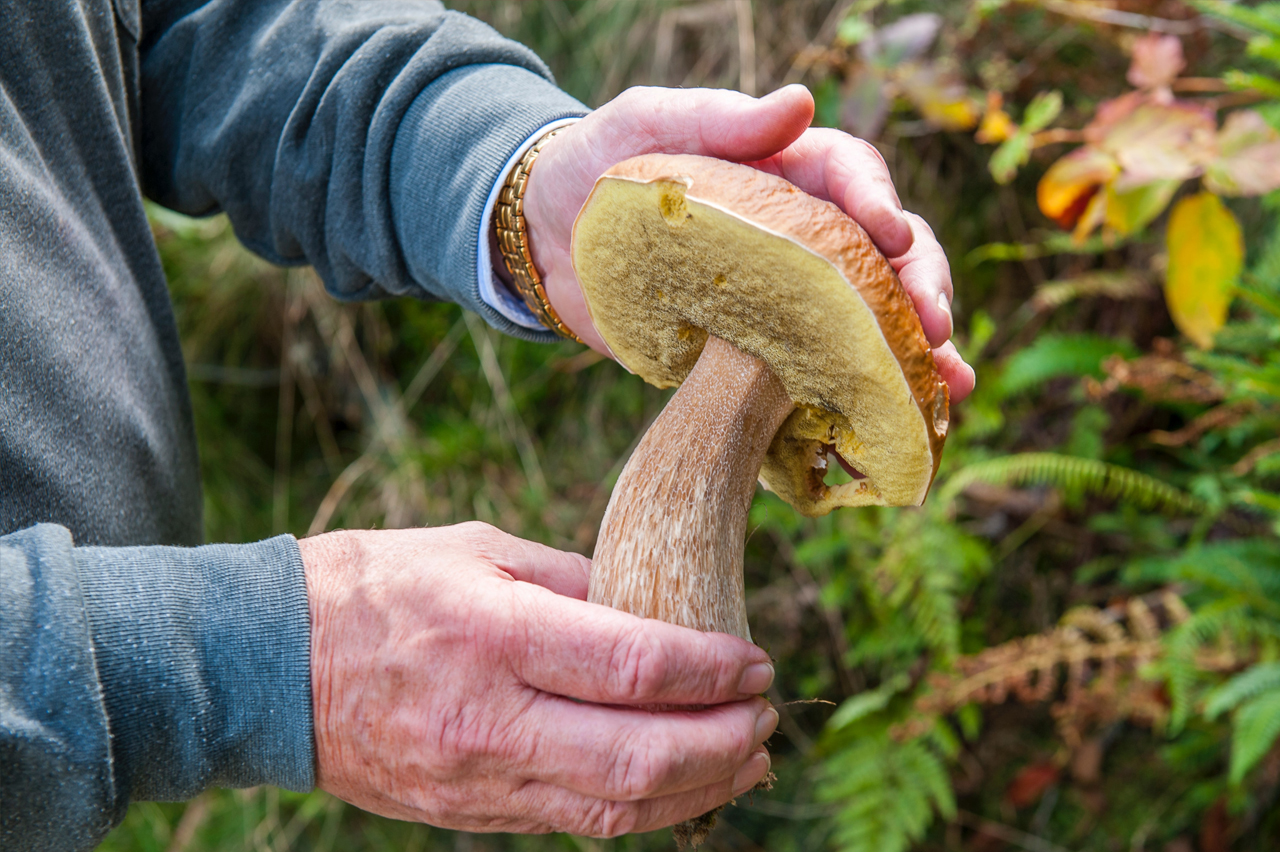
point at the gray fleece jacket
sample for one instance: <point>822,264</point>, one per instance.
<point>360,136</point>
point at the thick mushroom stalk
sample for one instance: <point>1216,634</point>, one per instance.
<point>672,539</point>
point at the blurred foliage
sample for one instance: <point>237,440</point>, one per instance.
<point>1075,643</point>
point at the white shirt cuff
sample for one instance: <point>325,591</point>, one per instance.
<point>492,291</point>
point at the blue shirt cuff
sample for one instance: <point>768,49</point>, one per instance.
<point>493,292</point>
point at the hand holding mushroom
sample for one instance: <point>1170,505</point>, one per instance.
<point>773,135</point>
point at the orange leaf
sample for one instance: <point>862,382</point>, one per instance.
<point>1069,184</point>
<point>1206,253</point>
<point>1157,59</point>
<point>1249,157</point>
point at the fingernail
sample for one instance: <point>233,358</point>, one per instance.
<point>945,304</point>
<point>756,679</point>
<point>766,724</point>
<point>751,772</point>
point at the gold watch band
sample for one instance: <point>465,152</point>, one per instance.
<point>513,242</point>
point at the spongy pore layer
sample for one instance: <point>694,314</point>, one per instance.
<point>669,249</point>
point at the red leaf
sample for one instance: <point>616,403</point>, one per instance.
<point>1248,160</point>
<point>1161,142</point>
<point>1029,784</point>
<point>1157,59</point>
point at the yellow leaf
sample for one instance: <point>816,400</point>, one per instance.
<point>939,96</point>
<point>1206,252</point>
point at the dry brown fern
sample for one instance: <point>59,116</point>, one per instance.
<point>1090,663</point>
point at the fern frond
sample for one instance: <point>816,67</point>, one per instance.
<point>1078,475</point>
<point>1054,355</point>
<point>887,792</point>
<point>1257,724</point>
<point>1258,679</point>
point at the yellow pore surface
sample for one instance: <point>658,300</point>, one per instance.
<point>661,269</point>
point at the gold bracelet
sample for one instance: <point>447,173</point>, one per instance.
<point>513,242</point>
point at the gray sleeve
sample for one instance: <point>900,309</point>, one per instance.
<point>145,673</point>
<point>362,138</point>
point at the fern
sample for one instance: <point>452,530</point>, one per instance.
<point>1076,476</point>
<point>1052,355</point>
<point>888,791</point>
<point>1257,724</point>
<point>916,582</point>
<point>1261,678</point>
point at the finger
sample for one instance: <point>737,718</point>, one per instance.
<point>560,571</point>
<point>712,122</point>
<point>958,375</point>
<point>594,817</point>
<point>597,654</point>
<point>625,754</point>
<point>850,172</point>
<point>926,276</point>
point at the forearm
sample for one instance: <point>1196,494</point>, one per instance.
<point>360,138</point>
<point>145,673</point>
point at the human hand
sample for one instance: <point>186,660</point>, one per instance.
<point>771,133</point>
<point>460,678</point>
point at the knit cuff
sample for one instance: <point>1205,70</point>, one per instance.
<point>451,148</point>
<point>204,659</point>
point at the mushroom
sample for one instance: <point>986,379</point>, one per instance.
<point>791,339</point>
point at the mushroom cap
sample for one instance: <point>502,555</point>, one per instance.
<point>669,249</point>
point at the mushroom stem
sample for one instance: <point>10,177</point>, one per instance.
<point>671,543</point>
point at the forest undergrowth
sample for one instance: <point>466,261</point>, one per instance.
<point>1075,643</point>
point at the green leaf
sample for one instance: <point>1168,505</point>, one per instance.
<point>1053,244</point>
<point>1042,110</point>
<point>1206,253</point>
<point>1012,155</point>
<point>1265,17</point>
<point>1263,677</point>
<point>864,704</point>
<point>854,29</point>
<point>1052,355</point>
<point>1269,86</point>
<point>1129,211</point>
<point>1257,723</point>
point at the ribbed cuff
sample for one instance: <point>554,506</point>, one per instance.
<point>204,658</point>
<point>451,148</point>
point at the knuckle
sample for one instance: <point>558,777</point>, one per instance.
<point>636,772</point>
<point>637,667</point>
<point>611,819</point>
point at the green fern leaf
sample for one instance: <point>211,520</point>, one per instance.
<point>1263,677</point>
<point>1075,475</point>
<point>888,792</point>
<point>1052,355</point>
<point>1257,723</point>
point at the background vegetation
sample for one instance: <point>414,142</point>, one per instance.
<point>1076,643</point>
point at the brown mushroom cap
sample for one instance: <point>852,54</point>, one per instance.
<point>669,249</point>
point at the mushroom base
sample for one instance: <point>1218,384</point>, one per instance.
<point>671,543</point>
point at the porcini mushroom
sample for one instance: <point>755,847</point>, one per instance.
<point>791,338</point>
